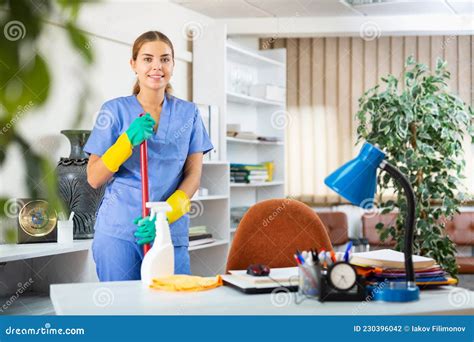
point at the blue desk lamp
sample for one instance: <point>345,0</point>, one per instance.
<point>356,181</point>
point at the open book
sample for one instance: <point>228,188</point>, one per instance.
<point>388,258</point>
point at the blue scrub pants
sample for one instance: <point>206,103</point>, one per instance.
<point>118,259</point>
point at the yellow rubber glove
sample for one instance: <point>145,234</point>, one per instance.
<point>118,153</point>
<point>180,205</point>
<point>139,130</point>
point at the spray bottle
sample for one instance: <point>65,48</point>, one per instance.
<point>159,260</point>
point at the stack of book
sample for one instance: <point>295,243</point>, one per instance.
<point>389,265</point>
<point>248,173</point>
<point>199,235</point>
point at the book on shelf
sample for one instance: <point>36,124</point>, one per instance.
<point>261,178</point>
<point>201,242</point>
<point>251,173</point>
<point>249,167</point>
<point>238,172</point>
<point>193,237</point>
<point>269,139</point>
<point>196,230</point>
<point>246,135</point>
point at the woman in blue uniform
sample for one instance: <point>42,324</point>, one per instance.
<point>176,140</point>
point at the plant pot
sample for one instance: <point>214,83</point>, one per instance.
<point>74,189</point>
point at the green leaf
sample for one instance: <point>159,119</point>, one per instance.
<point>80,42</point>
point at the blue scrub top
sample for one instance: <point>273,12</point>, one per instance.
<point>180,133</point>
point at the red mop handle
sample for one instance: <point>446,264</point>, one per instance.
<point>144,174</point>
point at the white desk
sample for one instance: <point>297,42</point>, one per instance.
<point>130,298</point>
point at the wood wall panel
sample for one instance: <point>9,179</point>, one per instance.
<point>326,78</point>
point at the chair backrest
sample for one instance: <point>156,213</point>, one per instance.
<point>370,233</point>
<point>271,231</point>
<point>337,226</point>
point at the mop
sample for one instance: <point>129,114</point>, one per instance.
<point>144,174</point>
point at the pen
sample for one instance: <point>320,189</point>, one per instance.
<point>298,254</point>
<point>315,255</point>
<point>348,249</point>
<point>333,256</point>
<point>297,260</point>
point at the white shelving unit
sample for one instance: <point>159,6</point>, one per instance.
<point>213,212</point>
<point>215,56</point>
<point>257,115</point>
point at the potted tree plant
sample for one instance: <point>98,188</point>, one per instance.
<point>421,128</point>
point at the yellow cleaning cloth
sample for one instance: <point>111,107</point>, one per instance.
<point>183,282</point>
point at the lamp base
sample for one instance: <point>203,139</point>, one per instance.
<point>396,292</point>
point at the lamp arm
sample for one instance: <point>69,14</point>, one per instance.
<point>409,219</point>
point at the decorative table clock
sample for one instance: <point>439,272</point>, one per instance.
<point>341,283</point>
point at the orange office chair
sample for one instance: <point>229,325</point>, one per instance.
<point>271,231</point>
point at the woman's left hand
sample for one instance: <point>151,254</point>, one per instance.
<point>146,231</point>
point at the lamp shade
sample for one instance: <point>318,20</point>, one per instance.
<point>356,180</point>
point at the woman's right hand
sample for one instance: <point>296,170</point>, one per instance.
<point>140,129</point>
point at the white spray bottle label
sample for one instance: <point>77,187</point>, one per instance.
<point>159,261</point>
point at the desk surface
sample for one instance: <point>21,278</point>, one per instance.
<point>131,298</point>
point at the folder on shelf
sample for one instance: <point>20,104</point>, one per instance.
<point>200,242</point>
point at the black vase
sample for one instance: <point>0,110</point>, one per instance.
<point>74,189</point>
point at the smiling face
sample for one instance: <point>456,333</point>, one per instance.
<point>153,65</point>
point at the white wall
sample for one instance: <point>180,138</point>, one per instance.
<point>111,28</point>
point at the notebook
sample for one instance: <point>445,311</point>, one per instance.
<point>389,258</point>
<point>278,278</point>
<point>280,275</point>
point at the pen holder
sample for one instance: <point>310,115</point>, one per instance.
<point>308,276</point>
